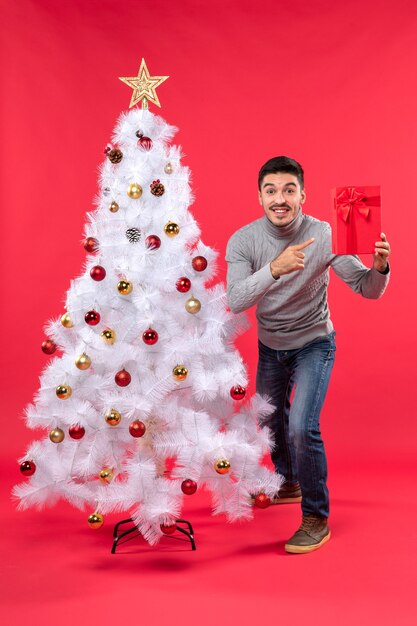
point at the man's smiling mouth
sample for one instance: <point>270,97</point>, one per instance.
<point>279,210</point>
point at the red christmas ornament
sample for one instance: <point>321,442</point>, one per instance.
<point>238,392</point>
<point>28,468</point>
<point>168,529</point>
<point>144,142</point>
<point>123,378</point>
<point>183,284</point>
<point>188,487</point>
<point>150,337</point>
<point>152,242</point>
<point>92,318</point>
<point>90,244</point>
<point>199,263</point>
<point>262,501</point>
<point>48,346</point>
<point>98,272</point>
<point>76,431</point>
<point>137,428</point>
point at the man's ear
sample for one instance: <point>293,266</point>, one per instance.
<point>259,198</point>
<point>303,197</point>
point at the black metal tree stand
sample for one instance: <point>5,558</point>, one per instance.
<point>121,537</point>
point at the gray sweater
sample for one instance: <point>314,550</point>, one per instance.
<point>292,310</point>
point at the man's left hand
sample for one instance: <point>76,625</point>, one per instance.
<point>382,252</point>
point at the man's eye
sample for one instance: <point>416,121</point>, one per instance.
<point>269,191</point>
<point>289,190</point>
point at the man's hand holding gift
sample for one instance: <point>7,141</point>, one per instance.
<point>382,252</point>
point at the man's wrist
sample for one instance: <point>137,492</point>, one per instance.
<point>383,271</point>
<point>275,276</point>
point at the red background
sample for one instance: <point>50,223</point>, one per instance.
<point>332,84</point>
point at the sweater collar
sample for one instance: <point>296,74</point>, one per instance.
<point>283,232</point>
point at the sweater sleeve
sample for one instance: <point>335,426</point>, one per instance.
<point>368,282</point>
<point>244,286</point>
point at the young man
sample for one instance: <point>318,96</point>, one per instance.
<point>281,262</point>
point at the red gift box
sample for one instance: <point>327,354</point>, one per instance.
<point>356,219</point>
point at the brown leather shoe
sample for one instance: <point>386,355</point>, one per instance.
<point>288,494</point>
<point>312,534</point>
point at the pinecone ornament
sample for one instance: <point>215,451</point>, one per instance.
<point>133,234</point>
<point>157,188</point>
<point>115,155</point>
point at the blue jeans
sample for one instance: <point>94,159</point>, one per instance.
<point>299,454</point>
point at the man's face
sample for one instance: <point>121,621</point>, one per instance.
<point>281,198</point>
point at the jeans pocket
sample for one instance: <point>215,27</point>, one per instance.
<point>323,342</point>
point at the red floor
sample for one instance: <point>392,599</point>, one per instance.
<point>56,570</point>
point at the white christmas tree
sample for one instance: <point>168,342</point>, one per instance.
<point>148,369</point>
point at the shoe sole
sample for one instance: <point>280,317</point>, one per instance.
<point>286,500</point>
<point>305,549</point>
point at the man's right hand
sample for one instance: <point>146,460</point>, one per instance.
<point>291,260</point>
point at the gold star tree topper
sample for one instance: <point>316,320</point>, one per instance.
<point>144,86</point>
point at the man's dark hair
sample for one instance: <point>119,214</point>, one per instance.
<point>281,164</point>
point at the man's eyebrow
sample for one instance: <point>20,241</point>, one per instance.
<point>286,185</point>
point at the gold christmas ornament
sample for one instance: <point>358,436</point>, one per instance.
<point>168,169</point>
<point>124,287</point>
<point>171,229</point>
<point>113,417</point>
<point>180,372</point>
<point>67,321</point>
<point>106,475</point>
<point>114,207</point>
<point>134,191</point>
<point>222,466</point>
<point>144,86</point>
<point>95,520</point>
<point>56,435</point>
<point>108,336</point>
<point>193,305</point>
<point>83,362</point>
<point>63,392</point>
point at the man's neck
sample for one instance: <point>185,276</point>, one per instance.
<point>287,231</point>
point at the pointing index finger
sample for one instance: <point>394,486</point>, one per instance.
<point>301,246</point>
